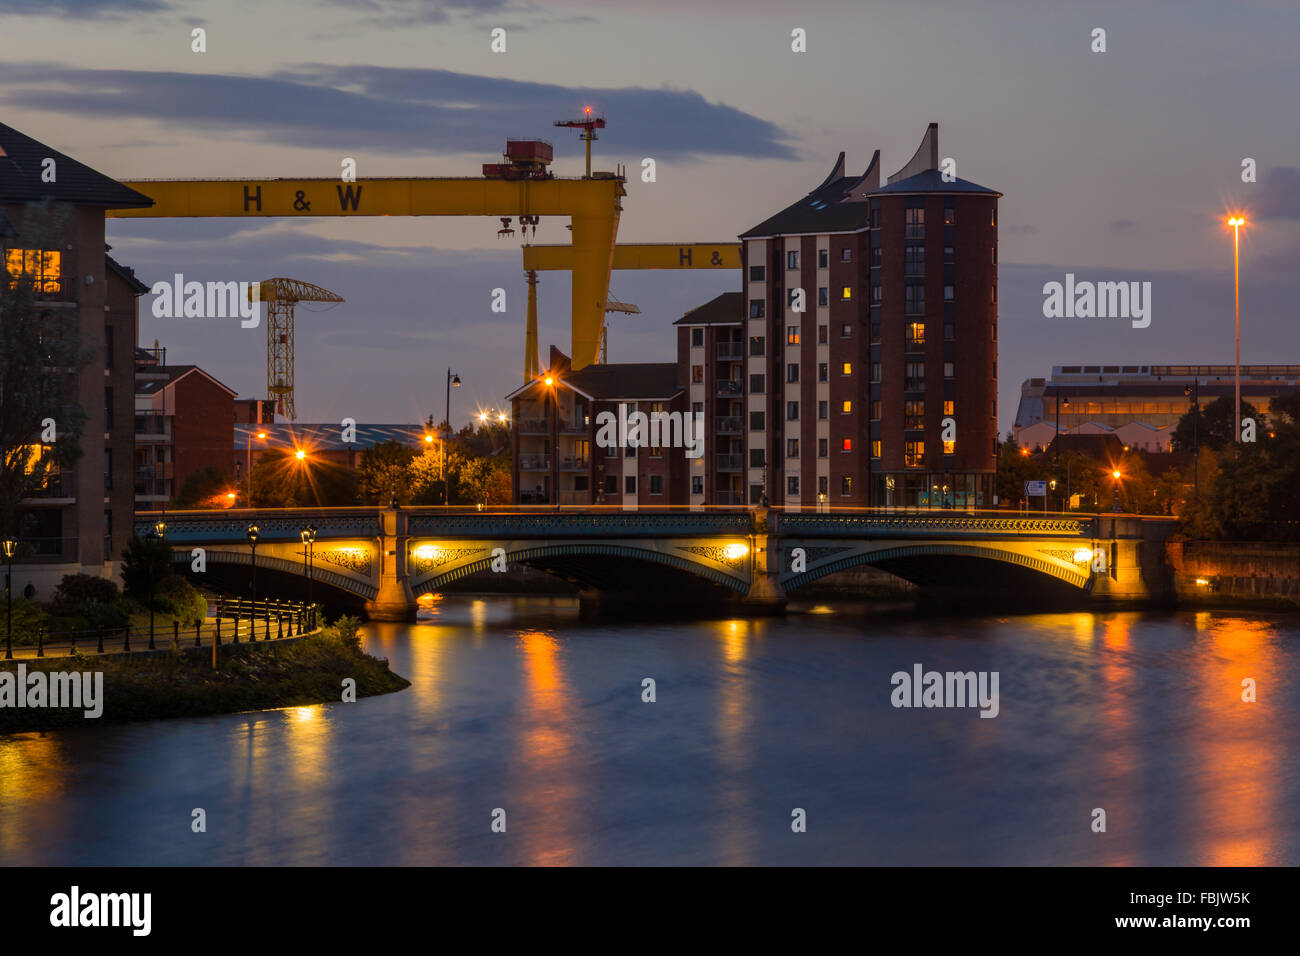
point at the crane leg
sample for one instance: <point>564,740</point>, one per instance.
<point>532,358</point>
<point>593,257</point>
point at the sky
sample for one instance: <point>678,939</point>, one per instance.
<point>1115,166</point>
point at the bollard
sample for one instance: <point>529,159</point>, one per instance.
<point>216,638</point>
<point>197,626</point>
<point>176,635</point>
<point>99,640</point>
<point>279,624</point>
<point>126,643</point>
<point>266,621</point>
<point>40,640</point>
<point>235,639</point>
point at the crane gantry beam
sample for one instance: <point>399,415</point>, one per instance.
<point>593,206</point>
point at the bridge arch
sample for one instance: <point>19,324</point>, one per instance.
<point>533,554</point>
<point>270,562</point>
<point>884,556</point>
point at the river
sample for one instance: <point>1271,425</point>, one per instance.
<point>516,705</point>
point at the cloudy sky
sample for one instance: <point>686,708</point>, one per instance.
<point>1115,165</point>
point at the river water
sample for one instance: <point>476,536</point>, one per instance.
<point>517,705</point>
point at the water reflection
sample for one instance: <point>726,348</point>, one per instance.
<point>735,713</point>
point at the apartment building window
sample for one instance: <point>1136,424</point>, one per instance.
<point>756,308</point>
<point>756,273</point>
<point>108,469</point>
<point>823,258</point>
<point>757,457</point>
<point>847,445</point>
<point>757,345</point>
<point>948,370</point>
<point>792,260</point>
<point>876,295</point>
<point>792,448</point>
<point>823,408</point>
<point>792,372</point>
<point>846,485</point>
<point>697,338</point>
<point>697,408</point>
<point>44,267</point>
<point>823,295</point>
<point>846,254</point>
<point>756,384</point>
<point>914,260</point>
<point>875,332</point>
<point>823,334</point>
<point>821,484</point>
<point>108,346</point>
<point>913,414</point>
<point>949,331</point>
<point>792,486</point>
<point>611,484</point>
<point>822,447</point>
<point>877,256</point>
<point>656,451</point>
<point>875,371</point>
<point>846,407</point>
<point>792,335</point>
<point>697,374</point>
<point>949,447</point>
<point>914,221</point>
<point>792,411</point>
<point>914,299</point>
<point>108,408</point>
<point>846,368</point>
<point>876,407</point>
<point>846,330</point>
<point>914,454</point>
<point>993,294</point>
<point>949,255</point>
<point>822,372</point>
<point>875,448</point>
<point>915,335</point>
<point>950,217</point>
<point>611,451</point>
<point>579,482</point>
<point>629,451</point>
<point>697,484</point>
<point>913,375</point>
<point>757,421</point>
<point>948,407</point>
<point>949,293</point>
<point>995,255</point>
<point>656,484</point>
<point>846,293</point>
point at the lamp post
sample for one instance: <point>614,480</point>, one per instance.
<point>253,533</point>
<point>453,381</point>
<point>1236,222</point>
<point>1061,400</point>
<point>1194,392</point>
<point>248,471</point>
<point>11,548</point>
<point>308,546</point>
<point>159,532</point>
<point>1115,501</point>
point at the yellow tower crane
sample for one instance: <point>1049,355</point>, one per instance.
<point>280,296</point>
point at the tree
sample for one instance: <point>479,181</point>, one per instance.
<point>281,480</point>
<point>1015,467</point>
<point>146,563</point>
<point>384,473</point>
<point>40,360</point>
<point>1210,425</point>
<point>205,488</point>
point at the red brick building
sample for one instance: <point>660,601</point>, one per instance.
<point>185,421</point>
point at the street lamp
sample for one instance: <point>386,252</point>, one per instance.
<point>253,533</point>
<point>1115,501</point>
<point>10,548</point>
<point>159,532</point>
<point>1193,391</point>
<point>453,381</point>
<point>308,547</point>
<point>1061,401</point>
<point>248,471</point>
<point>1236,222</point>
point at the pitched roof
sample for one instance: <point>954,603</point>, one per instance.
<point>158,377</point>
<point>327,436</point>
<point>931,181</point>
<point>839,204</point>
<point>632,380</point>
<point>21,166</point>
<point>726,309</point>
<point>127,274</point>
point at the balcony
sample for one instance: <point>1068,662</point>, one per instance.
<point>52,289</point>
<point>571,463</point>
<point>46,551</point>
<point>578,427</point>
<point>150,424</point>
<point>731,351</point>
<point>533,426</point>
<point>534,462</point>
<point>729,425</point>
<point>60,485</point>
<point>731,498</point>
<point>730,389</point>
<point>730,462</point>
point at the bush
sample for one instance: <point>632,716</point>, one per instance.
<point>27,619</point>
<point>77,589</point>
<point>345,629</point>
<point>146,560</point>
<point>176,596</point>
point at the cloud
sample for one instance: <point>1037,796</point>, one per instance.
<point>405,111</point>
<point>1120,226</point>
<point>1280,194</point>
<point>395,13</point>
<point>81,9</point>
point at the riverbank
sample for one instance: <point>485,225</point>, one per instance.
<point>182,683</point>
<point>1235,574</point>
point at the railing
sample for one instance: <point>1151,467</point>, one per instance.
<point>61,550</point>
<point>534,462</point>
<point>150,423</point>
<point>729,498</point>
<point>51,288</point>
<point>60,485</point>
<point>574,464</point>
<point>533,426</point>
<point>727,388</point>
<point>573,428</point>
<point>730,425</point>
<point>730,462</point>
<point>731,351</point>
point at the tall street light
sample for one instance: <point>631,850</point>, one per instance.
<point>254,532</point>
<point>1060,400</point>
<point>248,471</point>
<point>1236,222</point>
<point>10,548</point>
<point>160,533</point>
<point>308,546</point>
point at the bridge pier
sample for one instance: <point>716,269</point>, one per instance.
<point>395,600</point>
<point>766,594</point>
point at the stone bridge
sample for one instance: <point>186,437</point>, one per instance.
<point>388,557</point>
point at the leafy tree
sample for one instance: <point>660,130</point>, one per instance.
<point>384,473</point>
<point>281,480</point>
<point>76,589</point>
<point>1015,467</point>
<point>205,488</point>
<point>40,357</point>
<point>1215,428</point>
<point>144,560</point>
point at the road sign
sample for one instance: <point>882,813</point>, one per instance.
<point>1035,489</point>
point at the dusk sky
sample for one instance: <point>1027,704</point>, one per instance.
<point>1114,166</point>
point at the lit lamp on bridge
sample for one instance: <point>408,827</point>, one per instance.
<point>11,549</point>
<point>253,534</point>
<point>308,535</point>
<point>160,534</point>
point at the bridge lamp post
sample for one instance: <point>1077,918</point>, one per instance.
<point>1062,401</point>
<point>253,533</point>
<point>1236,222</point>
<point>308,546</point>
<point>160,533</point>
<point>1115,501</point>
<point>11,549</point>
<point>248,471</point>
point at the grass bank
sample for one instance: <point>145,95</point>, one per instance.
<point>182,683</point>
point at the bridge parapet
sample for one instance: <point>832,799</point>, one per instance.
<point>907,525</point>
<point>562,525</point>
<point>232,526</point>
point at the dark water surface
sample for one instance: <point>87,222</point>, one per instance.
<point>516,704</point>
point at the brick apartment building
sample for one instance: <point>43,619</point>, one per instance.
<point>184,422</point>
<point>81,519</point>
<point>558,454</point>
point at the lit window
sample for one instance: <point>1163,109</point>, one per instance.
<point>792,448</point>
<point>950,217</point>
<point>875,448</point>
<point>914,454</point>
<point>792,260</point>
<point>792,335</point>
<point>846,293</point>
<point>915,223</point>
<point>42,266</point>
<point>847,445</point>
<point>949,447</point>
<point>915,335</point>
<point>846,407</point>
<point>697,374</point>
<point>846,485</point>
<point>948,407</point>
<point>847,368</point>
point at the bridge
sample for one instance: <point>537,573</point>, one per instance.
<point>385,558</point>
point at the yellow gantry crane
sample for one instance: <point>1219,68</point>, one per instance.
<point>280,296</point>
